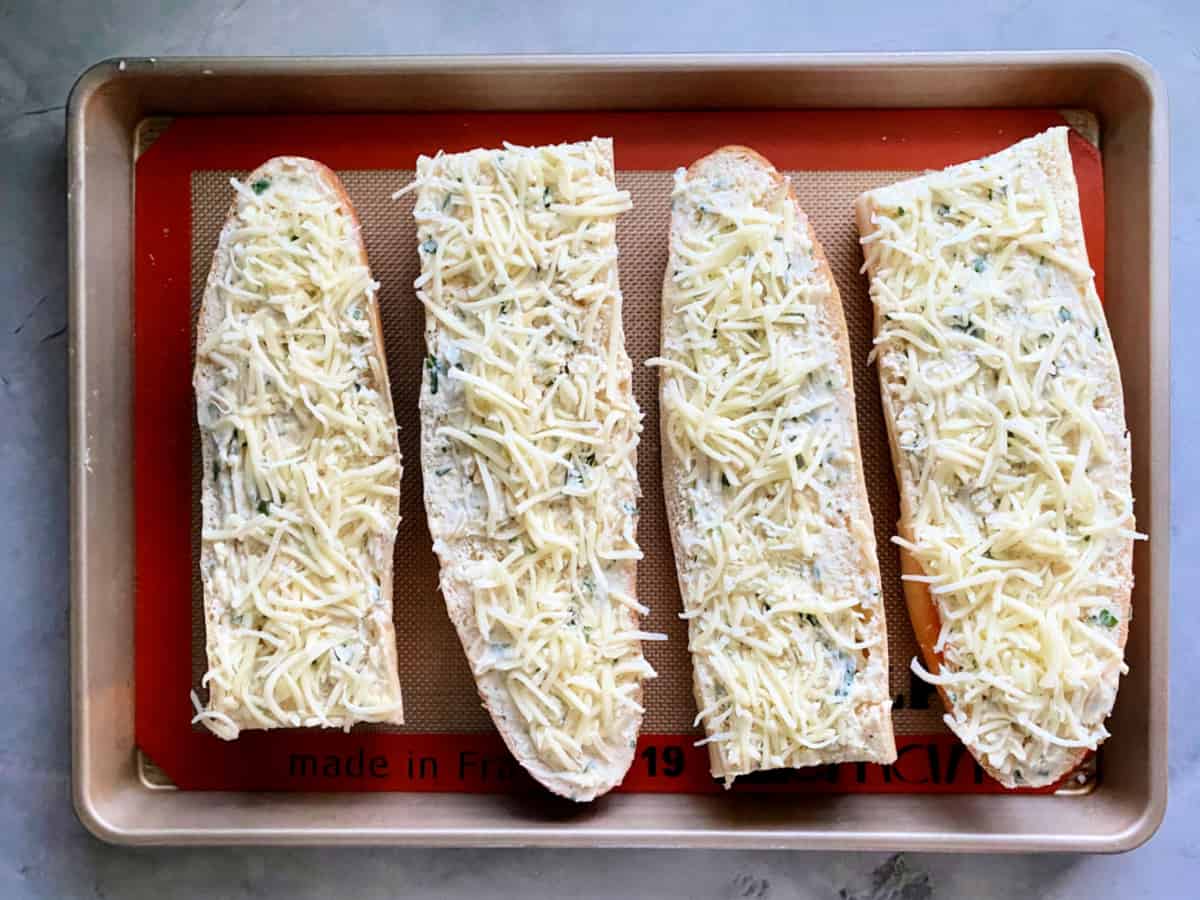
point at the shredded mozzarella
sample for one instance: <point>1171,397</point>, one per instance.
<point>530,435</point>
<point>302,479</point>
<point>1002,390</point>
<point>776,551</point>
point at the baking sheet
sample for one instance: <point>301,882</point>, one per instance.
<point>117,267</point>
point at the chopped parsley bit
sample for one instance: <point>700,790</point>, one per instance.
<point>810,619</point>
<point>546,197</point>
<point>943,209</point>
<point>899,210</point>
<point>1096,332</point>
<point>429,245</point>
<point>630,508</point>
<point>724,480</point>
<point>1105,618</point>
<point>446,202</point>
<point>1041,260</point>
<point>261,185</point>
<point>264,507</point>
<point>356,313</point>
<point>442,471</point>
<point>431,363</point>
<point>1064,314</point>
<point>848,673</point>
<point>295,237</point>
<point>989,195</point>
<point>590,459</point>
<point>980,264</point>
<point>216,469</point>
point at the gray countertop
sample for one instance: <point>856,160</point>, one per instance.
<point>43,47</point>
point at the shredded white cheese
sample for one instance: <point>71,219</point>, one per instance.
<point>776,551</point>
<point>303,470</point>
<point>1004,398</point>
<point>529,438</point>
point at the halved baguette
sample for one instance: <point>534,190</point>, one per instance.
<point>529,434</point>
<point>1006,421</point>
<point>301,464</point>
<point>772,532</point>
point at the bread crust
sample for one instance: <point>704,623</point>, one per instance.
<point>881,747</point>
<point>922,608</point>
<point>210,316</point>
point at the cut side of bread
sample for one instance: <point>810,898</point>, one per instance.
<point>301,464</point>
<point>529,434</point>
<point>1005,416</point>
<point>772,532</point>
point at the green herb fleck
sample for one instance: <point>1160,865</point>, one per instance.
<point>899,210</point>
<point>1096,332</point>
<point>442,471</point>
<point>989,194</point>
<point>1105,618</point>
<point>849,670</point>
<point>446,202</point>
<point>261,185</point>
<point>943,209</point>
<point>264,507</point>
<point>431,363</point>
<point>216,469</point>
<point>980,264</point>
<point>724,480</point>
<point>1064,314</point>
<point>429,246</point>
<point>546,198</point>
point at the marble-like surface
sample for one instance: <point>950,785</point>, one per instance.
<point>43,47</point>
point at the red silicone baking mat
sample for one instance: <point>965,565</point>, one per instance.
<point>182,194</point>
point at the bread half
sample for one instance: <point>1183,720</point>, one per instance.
<point>529,434</point>
<point>301,464</point>
<point>1003,404</point>
<point>773,538</point>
